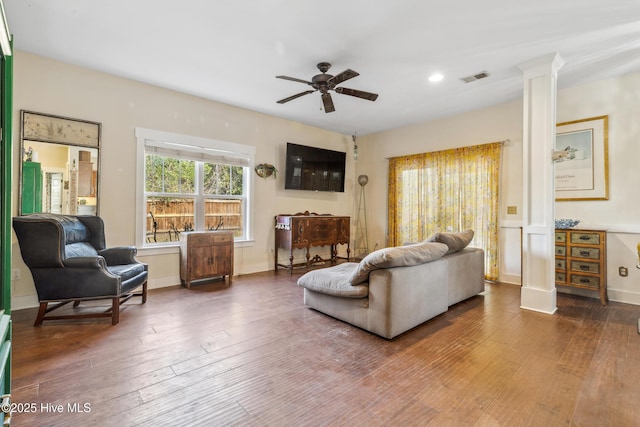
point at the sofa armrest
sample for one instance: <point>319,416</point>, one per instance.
<point>119,255</point>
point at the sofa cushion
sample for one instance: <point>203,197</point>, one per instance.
<point>454,241</point>
<point>399,256</point>
<point>333,281</point>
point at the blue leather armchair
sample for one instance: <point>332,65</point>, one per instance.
<point>70,263</point>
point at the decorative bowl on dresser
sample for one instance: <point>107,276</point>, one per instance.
<point>581,260</point>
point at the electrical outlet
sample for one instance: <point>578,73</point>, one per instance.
<point>623,271</point>
<point>512,210</point>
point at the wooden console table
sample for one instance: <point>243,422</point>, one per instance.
<point>304,230</point>
<point>205,254</point>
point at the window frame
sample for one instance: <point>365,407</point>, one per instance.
<point>149,137</point>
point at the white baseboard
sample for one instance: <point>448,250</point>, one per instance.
<point>31,301</point>
<point>163,282</point>
<point>512,279</point>
<point>624,296</point>
<point>20,303</point>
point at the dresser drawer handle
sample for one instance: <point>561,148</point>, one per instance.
<point>585,238</point>
<point>585,281</point>
<point>584,253</point>
<point>584,267</point>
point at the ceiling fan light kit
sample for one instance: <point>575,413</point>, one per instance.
<point>324,83</point>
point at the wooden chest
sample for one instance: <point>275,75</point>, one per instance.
<point>205,255</point>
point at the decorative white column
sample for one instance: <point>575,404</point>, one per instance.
<point>538,225</point>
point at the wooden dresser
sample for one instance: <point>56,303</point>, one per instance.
<point>581,260</point>
<point>304,230</point>
<point>205,255</point>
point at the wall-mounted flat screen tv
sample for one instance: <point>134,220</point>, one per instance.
<point>314,169</point>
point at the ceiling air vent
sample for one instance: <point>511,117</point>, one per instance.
<point>473,78</point>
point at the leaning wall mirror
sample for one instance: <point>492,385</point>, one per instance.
<point>59,165</point>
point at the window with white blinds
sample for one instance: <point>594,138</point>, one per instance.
<point>189,183</point>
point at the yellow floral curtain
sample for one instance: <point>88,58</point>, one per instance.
<point>450,190</point>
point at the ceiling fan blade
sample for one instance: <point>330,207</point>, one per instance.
<point>357,93</point>
<point>293,79</point>
<point>343,76</point>
<point>306,92</point>
<point>328,103</point>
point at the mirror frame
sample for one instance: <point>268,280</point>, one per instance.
<point>59,130</point>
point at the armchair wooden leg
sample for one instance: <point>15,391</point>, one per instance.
<point>41,312</point>
<point>144,292</point>
<point>115,310</point>
<point>76,303</point>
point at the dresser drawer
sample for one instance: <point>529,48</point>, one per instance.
<point>222,238</point>
<point>207,239</point>
<point>587,267</point>
<point>561,277</point>
<point>585,281</point>
<point>584,252</point>
<point>561,251</point>
<point>586,238</point>
<point>561,236</point>
<point>561,264</point>
<point>200,240</point>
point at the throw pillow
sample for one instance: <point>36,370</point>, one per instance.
<point>454,241</point>
<point>400,256</point>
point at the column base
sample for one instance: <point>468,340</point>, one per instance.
<point>540,300</point>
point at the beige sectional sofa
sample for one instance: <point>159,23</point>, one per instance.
<point>395,289</point>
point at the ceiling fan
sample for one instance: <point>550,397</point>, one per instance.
<point>325,82</point>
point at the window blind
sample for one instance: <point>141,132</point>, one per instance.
<point>192,152</point>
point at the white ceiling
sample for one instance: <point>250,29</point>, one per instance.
<point>231,50</point>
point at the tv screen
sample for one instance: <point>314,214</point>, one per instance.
<point>315,169</point>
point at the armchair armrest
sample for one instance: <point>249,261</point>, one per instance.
<point>119,255</point>
<point>96,262</point>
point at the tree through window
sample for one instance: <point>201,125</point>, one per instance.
<point>193,187</point>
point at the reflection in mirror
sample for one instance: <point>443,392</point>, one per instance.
<point>59,179</point>
<point>59,176</point>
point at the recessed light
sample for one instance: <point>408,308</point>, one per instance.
<point>435,77</point>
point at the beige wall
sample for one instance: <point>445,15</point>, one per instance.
<point>48,86</point>
<point>121,105</point>
<point>619,98</point>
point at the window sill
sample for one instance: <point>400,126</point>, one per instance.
<point>174,248</point>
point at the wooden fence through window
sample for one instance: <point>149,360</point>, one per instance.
<point>173,216</point>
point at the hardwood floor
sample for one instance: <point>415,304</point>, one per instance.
<point>252,354</point>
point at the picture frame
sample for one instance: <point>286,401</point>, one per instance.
<point>59,130</point>
<point>581,170</point>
